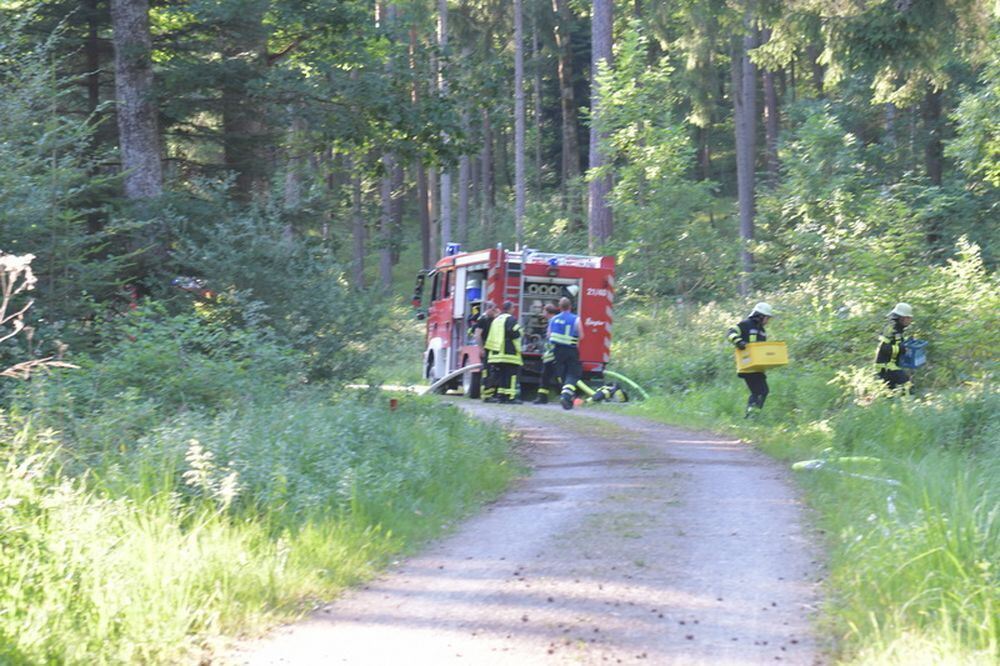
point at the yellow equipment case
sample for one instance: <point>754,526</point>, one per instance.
<point>761,356</point>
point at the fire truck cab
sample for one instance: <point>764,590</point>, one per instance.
<point>457,288</point>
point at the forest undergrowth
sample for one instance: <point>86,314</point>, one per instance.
<point>190,484</point>
<point>906,489</point>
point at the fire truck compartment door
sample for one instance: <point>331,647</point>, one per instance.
<point>459,298</point>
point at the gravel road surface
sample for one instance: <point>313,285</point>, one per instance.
<point>630,542</point>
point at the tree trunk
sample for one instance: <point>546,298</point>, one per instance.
<point>245,139</point>
<point>704,155</point>
<point>424,212</point>
<point>536,81</point>
<point>744,94</point>
<point>445,224</point>
<point>464,176</point>
<point>519,185</point>
<point>385,222</point>
<point>138,135</point>
<point>600,187</point>
<point>812,52</point>
<point>933,149</point>
<point>487,182</point>
<point>95,220</point>
<point>357,225</point>
<point>890,125</point>
<point>570,164</point>
<point>933,155</point>
<point>434,210</point>
<point>771,118</point>
<point>295,165</point>
<point>423,196</point>
<point>398,186</point>
<point>475,185</point>
<point>93,55</point>
<point>384,18</point>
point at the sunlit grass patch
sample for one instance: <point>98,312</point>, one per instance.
<point>914,533</point>
<point>153,555</point>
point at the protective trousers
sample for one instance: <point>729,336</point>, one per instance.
<point>505,377</point>
<point>895,379</point>
<point>757,383</point>
<point>487,384</point>
<point>549,380</point>
<point>567,366</point>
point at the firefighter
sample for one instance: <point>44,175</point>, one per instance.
<point>550,379</point>
<point>605,392</point>
<point>481,332</point>
<point>564,337</point>
<point>504,345</point>
<point>749,330</point>
<point>891,347</point>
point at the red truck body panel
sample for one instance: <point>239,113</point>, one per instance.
<point>461,283</point>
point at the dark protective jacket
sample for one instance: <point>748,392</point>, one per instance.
<point>749,330</point>
<point>483,324</point>
<point>890,346</point>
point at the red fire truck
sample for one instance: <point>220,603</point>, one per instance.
<point>462,282</point>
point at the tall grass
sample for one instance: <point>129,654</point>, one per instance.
<point>913,532</point>
<point>212,525</point>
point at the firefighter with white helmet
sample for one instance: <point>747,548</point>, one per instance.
<point>750,330</point>
<point>891,346</point>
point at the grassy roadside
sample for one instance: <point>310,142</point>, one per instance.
<point>913,536</point>
<point>220,524</point>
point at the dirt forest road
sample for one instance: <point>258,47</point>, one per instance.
<point>630,542</point>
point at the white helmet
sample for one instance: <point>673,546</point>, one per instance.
<point>902,310</point>
<point>762,308</point>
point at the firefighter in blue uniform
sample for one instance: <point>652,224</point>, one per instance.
<point>891,346</point>
<point>564,338</point>
<point>750,330</point>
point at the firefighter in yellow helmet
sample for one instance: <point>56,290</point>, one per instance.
<point>750,330</point>
<point>504,345</point>
<point>891,346</point>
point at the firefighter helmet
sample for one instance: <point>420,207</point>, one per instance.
<point>762,308</point>
<point>902,310</point>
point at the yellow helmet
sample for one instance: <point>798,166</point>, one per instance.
<point>902,310</point>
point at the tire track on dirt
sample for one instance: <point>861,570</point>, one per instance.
<point>630,542</point>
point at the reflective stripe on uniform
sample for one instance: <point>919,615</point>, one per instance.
<point>561,331</point>
<point>498,332</point>
<point>496,343</point>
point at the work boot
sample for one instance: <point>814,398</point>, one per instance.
<point>566,400</point>
<point>493,398</point>
<point>541,399</point>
